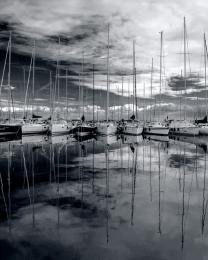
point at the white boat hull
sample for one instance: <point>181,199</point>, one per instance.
<point>132,130</point>
<point>59,129</point>
<point>106,129</point>
<point>203,130</point>
<point>34,128</point>
<point>156,130</point>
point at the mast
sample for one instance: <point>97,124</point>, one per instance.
<point>79,97</point>
<point>118,102</point>
<point>107,103</point>
<point>184,38</point>
<point>33,77</point>
<point>51,94</point>
<point>134,77</point>
<point>136,109</point>
<point>9,74</point>
<point>122,97</point>
<point>161,49</point>
<point>66,94</point>
<point>128,95</point>
<point>56,84</point>
<point>83,83</point>
<point>205,68</point>
<point>93,93</point>
<point>4,68</point>
<point>151,80</point>
<point>58,71</point>
<point>26,92</point>
<point>144,114</point>
<point>181,95</point>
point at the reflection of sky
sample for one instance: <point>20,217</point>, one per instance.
<point>72,217</point>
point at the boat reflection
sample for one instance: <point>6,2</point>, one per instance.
<point>112,192</point>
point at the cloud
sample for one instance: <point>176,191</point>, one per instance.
<point>193,82</point>
<point>82,28</point>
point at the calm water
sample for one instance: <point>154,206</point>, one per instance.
<point>110,198</point>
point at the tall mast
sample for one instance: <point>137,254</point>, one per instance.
<point>79,98</point>
<point>144,114</point>
<point>181,95</point>
<point>184,37</point>
<point>107,103</point>
<point>133,77</point>
<point>9,69</point>
<point>93,93</point>
<point>151,80</point>
<point>205,68</point>
<point>161,49</point>
<point>9,73</point>
<point>58,70</point>
<point>83,83</point>
<point>128,95</point>
<point>118,91</point>
<point>51,94</point>
<point>122,97</point>
<point>66,94</point>
<point>33,79</point>
<point>4,68</point>
<point>25,110</point>
<point>9,79</point>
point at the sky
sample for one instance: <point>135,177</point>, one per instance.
<point>81,27</point>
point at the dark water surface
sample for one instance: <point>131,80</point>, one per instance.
<point>110,198</point>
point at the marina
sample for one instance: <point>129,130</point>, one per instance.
<point>103,130</point>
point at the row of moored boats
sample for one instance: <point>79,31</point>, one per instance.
<point>82,128</point>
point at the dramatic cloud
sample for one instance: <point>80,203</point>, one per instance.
<point>82,29</point>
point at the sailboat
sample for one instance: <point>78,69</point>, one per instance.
<point>57,126</point>
<point>133,127</point>
<point>184,127</point>
<point>157,128</point>
<point>85,128</point>
<point>107,127</point>
<point>8,128</point>
<point>33,125</point>
<point>203,124</point>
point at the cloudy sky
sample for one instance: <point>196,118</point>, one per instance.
<point>82,28</point>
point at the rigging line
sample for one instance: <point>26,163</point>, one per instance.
<point>56,84</point>
<point>27,87</point>
<point>187,46</point>
<point>4,68</point>
<point>12,105</point>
